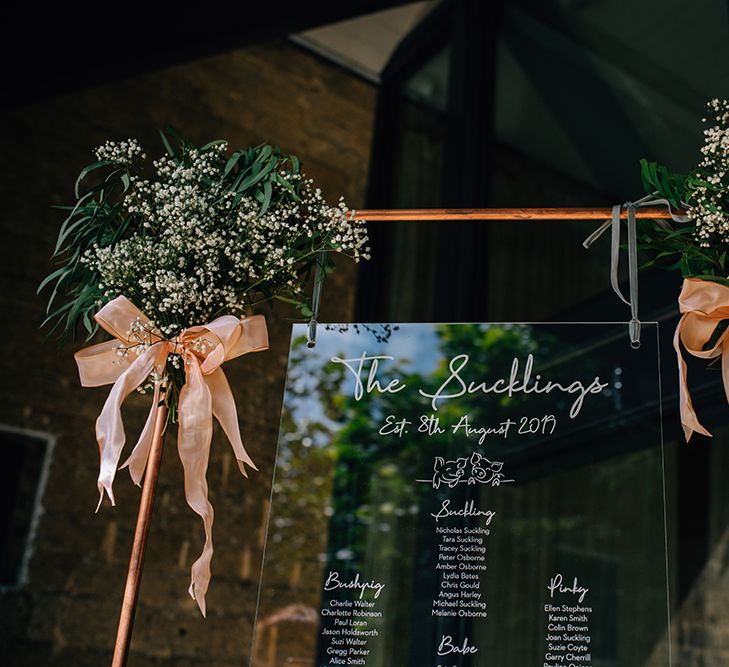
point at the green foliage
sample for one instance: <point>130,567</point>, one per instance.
<point>678,189</point>
<point>109,210</point>
<point>677,250</point>
<point>95,218</point>
<point>697,248</point>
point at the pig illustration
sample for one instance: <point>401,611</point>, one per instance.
<point>448,472</point>
<point>480,469</point>
<point>484,471</point>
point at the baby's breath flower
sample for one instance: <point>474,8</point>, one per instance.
<point>709,207</point>
<point>197,248</point>
<point>123,152</point>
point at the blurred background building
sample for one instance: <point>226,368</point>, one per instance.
<point>452,103</point>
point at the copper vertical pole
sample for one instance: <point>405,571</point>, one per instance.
<point>141,532</point>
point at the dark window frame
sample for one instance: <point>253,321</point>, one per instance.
<point>31,525</point>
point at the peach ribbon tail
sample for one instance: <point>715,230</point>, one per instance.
<point>703,304</point>
<point>206,393</point>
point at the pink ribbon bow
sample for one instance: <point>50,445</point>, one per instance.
<point>704,305</point>
<point>140,350</point>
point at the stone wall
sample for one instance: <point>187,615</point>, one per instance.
<point>67,612</point>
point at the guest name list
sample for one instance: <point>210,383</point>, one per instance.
<point>462,523</point>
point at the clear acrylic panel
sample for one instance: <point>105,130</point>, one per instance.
<point>467,494</point>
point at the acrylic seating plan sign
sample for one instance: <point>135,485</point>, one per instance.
<point>467,494</point>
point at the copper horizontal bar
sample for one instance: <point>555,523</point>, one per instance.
<point>385,215</point>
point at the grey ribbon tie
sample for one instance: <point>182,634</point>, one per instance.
<point>316,299</point>
<point>614,225</point>
<point>634,324</point>
<point>648,200</point>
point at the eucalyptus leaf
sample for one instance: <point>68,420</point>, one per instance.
<point>168,147</point>
<point>212,144</point>
<point>232,161</point>
<point>88,323</point>
<point>67,230</point>
<point>87,170</point>
<point>258,175</point>
<point>50,277</point>
<point>267,190</point>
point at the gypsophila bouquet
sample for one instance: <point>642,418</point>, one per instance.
<point>203,235</point>
<point>699,248</point>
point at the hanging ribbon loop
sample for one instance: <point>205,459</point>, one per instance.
<point>321,259</point>
<point>634,325</point>
<point>614,225</point>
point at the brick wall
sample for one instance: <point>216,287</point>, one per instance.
<point>67,613</point>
